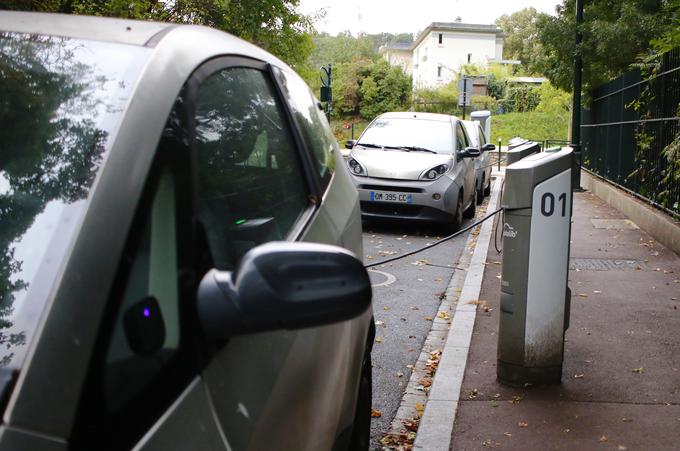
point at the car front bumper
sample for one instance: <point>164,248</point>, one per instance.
<point>423,205</point>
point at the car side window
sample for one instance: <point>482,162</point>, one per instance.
<point>482,138</point>
<point>461,139</point>
<point>250,184</point>
<point>312,123</point>
<point>143,358</point>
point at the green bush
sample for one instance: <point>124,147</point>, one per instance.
<point>521,98</point>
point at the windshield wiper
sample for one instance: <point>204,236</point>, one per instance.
<point>372,146</point>
<point>416,149</point>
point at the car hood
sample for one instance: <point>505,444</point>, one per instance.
<point>397,164</point>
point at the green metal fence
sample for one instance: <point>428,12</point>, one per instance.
<point>631,133</point>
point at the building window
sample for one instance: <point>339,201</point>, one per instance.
<point>440,38</point>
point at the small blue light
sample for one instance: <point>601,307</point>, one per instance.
<point>146,312</point>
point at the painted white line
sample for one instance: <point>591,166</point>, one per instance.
<point>436,425</point>
<point>390,278</point>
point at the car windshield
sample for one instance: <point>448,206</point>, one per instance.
<point>471,129</point>
<point>61,100</point>
<point>410,133</point>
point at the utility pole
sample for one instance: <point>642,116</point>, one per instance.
<point>326,90</point>
<point>576,106</point>
<point>469,55</point>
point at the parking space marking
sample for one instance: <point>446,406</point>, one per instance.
<point>390,278</point>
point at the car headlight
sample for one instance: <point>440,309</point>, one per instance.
<point>355,167</point>
<point>434,173</point>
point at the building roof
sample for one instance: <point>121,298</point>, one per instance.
<point>528,80</point>
<point>397,46</point>
<point>458,26</point>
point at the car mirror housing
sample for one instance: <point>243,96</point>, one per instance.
<point>470,152</point>
<point>350,143</point>
<point>283,285</point>
<point>488,147</point>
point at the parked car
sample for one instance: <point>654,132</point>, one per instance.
<point>171,205</point>
<point>415,166</point>
<point>483,162</point>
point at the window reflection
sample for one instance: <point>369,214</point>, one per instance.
<point>60,100</point>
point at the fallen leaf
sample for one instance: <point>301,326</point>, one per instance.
<point>437,279</point>
<point>380,323</point>
<point>493,403</point>
<point>626,420</point>
<point>375,413</point>
<point>622,448</point>
<point>522,424</point>
<point>638,370</point>
<point>516,399</point>
<point>378,339</point>
<point>369,257</point>
<point>443,315</point>
<point>604,438</point>
<point>583,295</point>
<point>400,374</point>
<point>386,308</point>
<point>578,376</point>
<point>507,434</point>
<point>597,291</point>
<point>566,430</point>
<point>428,318</point>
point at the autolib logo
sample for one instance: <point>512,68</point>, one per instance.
<point>509,231</point>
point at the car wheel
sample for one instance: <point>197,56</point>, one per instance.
<point>472,209</point>
<point>487,190</point>
<point>480,192</point>
<point>361,429</point>
<point>457,216</point>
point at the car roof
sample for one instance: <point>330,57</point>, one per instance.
<point>211,42</point>
<point>123,31</point>
<point>418,115</point>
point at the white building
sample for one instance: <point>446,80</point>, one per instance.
<point>399,55</point>
<point>443,47</point>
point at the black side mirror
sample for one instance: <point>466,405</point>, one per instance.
<point>350,143</point>
<point>282,285</point>
<point>470,152</point>
<point>488,147</point>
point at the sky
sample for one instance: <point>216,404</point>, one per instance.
<point>411,16</point>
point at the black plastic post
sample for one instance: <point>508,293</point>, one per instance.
<point>576,106</point>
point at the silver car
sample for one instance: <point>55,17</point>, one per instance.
<point>483,162</point>
<point>415,166</point>
<point>171,205</point>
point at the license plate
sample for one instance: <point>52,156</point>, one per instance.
<point>381,196</point>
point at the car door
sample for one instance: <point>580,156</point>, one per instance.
<point>143,388</point>
<point>253,184</point>
<point>485,157</point>
<point>463,142</point>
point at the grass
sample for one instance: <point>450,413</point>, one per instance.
<point>537,126</point>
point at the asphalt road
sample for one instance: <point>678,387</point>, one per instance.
<point>406,296</point>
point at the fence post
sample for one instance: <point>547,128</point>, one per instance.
<point>499,154</point>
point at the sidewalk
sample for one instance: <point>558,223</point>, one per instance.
<point>621,377</point>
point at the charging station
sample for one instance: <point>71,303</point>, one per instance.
<point>535,298</point>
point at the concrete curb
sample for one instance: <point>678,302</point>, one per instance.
<point>436,425</point>
<point>659,225</point>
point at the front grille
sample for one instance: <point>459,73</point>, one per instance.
<point>391,209</point>
<point>400,189</point>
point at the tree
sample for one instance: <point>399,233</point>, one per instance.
<point>275,25</point>
<point>615,33</point>
<point>521,37</point>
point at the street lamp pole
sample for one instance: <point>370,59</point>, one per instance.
<point>576,106</point>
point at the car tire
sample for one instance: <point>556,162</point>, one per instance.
<point>487,190</point>
<point>457,216</point>
<point>480,192</point>
<point>472,209</point>
<point>361,429</point>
